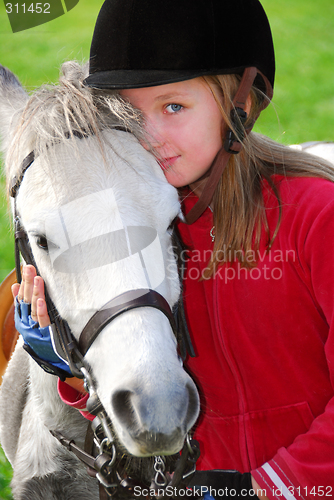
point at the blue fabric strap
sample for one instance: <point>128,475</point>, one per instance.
<point>38,341</point>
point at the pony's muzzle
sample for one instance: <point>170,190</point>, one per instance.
<point>154,427</point>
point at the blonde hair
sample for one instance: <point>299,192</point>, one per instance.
<point>238,205</point>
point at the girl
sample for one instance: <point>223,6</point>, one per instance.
<point>258,227</point>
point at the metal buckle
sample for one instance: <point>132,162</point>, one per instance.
<point>238,119</point>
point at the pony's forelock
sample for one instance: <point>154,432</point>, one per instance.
<point>57,113</point>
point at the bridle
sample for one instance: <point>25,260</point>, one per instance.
<point>103,460</point>
<point>100,454</point>
<point>67,346</point>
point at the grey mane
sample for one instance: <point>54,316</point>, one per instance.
<point>55,113</point>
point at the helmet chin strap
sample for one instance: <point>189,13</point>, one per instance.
<point>232,144</point>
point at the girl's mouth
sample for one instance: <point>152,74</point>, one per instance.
<point>167,162</point>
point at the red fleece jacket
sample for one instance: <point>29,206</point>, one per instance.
<point>265,346</point>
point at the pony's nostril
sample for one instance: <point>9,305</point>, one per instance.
<point>123,408</point>
<point>133,416</point>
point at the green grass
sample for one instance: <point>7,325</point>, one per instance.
<point>304,89</point>
<point>5,477</point>
<point>35,56</point>
<point>303,105</point>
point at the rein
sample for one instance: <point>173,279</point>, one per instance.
<point>102,457</point>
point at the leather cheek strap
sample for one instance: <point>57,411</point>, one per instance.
<point>223,156</point>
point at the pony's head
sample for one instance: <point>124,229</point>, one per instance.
<point>97,209</point>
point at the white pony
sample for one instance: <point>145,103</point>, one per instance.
<point>75,198</point>
<point>318,148</point>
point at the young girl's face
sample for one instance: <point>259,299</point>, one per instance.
<point>184,124</point>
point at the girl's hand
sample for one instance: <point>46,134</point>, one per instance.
<point>31,291</point>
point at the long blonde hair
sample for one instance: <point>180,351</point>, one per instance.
<point>238,205</point>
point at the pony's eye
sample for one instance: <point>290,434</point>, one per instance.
<point>173,108</point>
<point>42,242</point>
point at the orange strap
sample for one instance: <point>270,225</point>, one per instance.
<point>8,333</point>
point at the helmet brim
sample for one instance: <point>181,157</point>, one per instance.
<point>129,79</point>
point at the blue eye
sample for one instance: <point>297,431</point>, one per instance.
<point>174,108</point>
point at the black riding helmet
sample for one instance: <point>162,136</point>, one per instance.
<point>143,43</point>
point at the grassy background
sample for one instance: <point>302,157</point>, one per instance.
<point>303,105</point>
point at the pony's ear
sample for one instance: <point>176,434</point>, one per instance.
<point>13,98</point>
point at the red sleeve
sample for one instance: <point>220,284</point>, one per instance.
<point>306,468</point>
<point>74,398</point>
